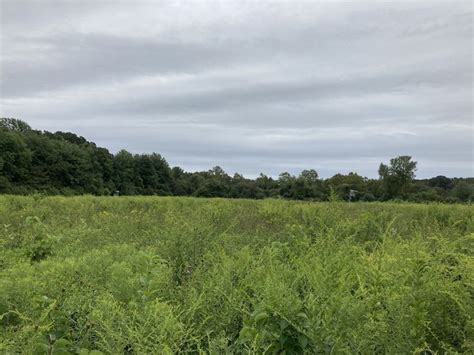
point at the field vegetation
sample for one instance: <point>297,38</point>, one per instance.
<point>157,275</point>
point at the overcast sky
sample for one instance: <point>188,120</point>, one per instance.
<point>249,86</point>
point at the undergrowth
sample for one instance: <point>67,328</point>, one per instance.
<point>149,275</point>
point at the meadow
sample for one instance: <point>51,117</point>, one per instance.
<point>157,275</point>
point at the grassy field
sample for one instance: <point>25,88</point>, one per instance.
<point>151,275</point>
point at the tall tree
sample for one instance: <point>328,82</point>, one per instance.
<point>125,176</point>
<point>15,159</point>
<point>398,175</point>
<point>13,124</point>
<point>163,174</point>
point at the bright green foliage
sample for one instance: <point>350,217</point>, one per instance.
<point>158,275</point>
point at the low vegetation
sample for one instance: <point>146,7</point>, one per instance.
<point>141,275</point>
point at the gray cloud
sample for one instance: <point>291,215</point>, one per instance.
<point>266,86</point>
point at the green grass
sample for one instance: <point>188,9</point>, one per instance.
<point>145,275</point>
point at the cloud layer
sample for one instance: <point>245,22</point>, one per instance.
<point>252,87</point>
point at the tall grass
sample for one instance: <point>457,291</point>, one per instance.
<point>88,275</point>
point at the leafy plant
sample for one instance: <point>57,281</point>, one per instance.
<point>87,275</point>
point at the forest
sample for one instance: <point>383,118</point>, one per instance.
<point>63,163</point>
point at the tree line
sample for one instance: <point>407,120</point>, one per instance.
<point>33,161</point>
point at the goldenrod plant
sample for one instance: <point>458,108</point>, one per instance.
<point>162,275</point>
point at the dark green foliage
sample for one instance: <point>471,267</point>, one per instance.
<point>12,124</point>
<point>64,163</point>
<point>398,175</point>
<point>125,178</point>
<point>342,184</point>
<point>463,191</point>
<point>15,158</point>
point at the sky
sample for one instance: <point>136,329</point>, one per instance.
<point>251,86</point>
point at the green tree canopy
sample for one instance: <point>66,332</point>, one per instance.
<point>398,175</point>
